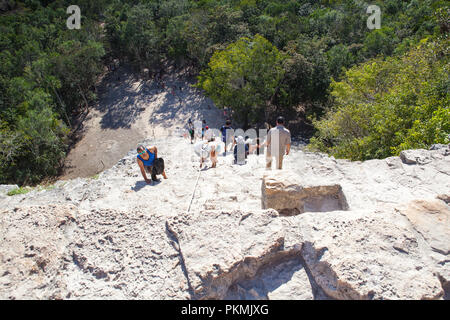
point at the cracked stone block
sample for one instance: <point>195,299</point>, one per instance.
<point>284,280</point>
<point>231,246</point>
<point>419,156</point>
<point>289,195</point>
<point>431,218</point>
<point>367,254</point>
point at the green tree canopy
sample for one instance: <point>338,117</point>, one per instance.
<point>244,77</point>
<point>385,106</point>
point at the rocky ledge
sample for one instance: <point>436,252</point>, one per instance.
<point>320,229</point>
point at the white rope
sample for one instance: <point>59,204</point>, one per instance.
<point>193,193</point>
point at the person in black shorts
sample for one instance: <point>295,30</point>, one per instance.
<point>149,162</point>
<point>191,130</point>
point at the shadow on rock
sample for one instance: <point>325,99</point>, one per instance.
<point>142,184</point>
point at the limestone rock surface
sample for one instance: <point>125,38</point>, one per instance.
<point>33,251</point>
<point>368,255</point>
<point>205,234</point>
<point>220,248</point>
<point>5,188</point>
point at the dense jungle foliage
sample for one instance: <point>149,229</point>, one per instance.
<point>368,93</point>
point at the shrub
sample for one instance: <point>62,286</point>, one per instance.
<point>385,106</point>
<point>17,191</point>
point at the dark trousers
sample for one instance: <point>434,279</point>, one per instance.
<point>152,171</point>
<point>156,168</point>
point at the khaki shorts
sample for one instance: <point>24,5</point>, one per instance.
<point>278,159</point>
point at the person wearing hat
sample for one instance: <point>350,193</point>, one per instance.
<point>278,144</point>
<point>148,160</point>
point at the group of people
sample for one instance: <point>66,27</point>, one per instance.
<point>277,144</point>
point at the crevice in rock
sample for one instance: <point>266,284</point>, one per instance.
<point>318,292</point>
<point>400,250</point>
<point>260,285</point>
<point>289,212</point>
<point>445,253</point>
<point>246,283</point>
<point>325,278</point>
<point>271,277</point>
<point>445,286</point>
<point>176,245</point>
<point>246,268</point>
<point>255,288</point>
<point>96,272</point>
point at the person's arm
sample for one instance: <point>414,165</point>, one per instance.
<point>154,150</point>
<point>288,144</point>
<point>141,166</point>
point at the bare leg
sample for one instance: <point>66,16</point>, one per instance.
<point>269,163</point>
<point>280,162</point>
<point>164,174</point>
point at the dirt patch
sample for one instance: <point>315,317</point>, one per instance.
<point>131,110</point>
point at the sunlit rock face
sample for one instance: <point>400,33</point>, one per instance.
<point>320,228</point>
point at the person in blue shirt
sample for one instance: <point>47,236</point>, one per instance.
<point>148,160</point>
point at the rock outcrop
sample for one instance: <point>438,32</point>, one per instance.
<point>320,229</point>
<point>289,195</point>
<point>431,219</point>
<point>61,252</point>
<point>221,248</point>
<point>368,255</point>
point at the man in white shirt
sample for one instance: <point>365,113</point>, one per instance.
<point>278,144</point>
